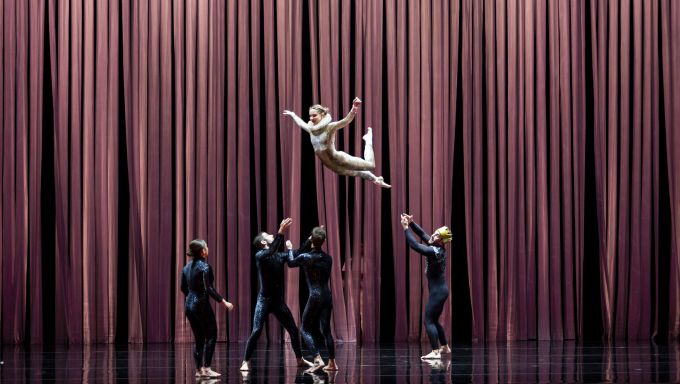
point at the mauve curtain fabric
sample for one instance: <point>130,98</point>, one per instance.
<point>524,156</point>
<point>21,77</point>
<point>130,128</point>
<point>670,53</point>
<point>626,39</point>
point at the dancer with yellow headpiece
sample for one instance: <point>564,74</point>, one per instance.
<point>435,268</point>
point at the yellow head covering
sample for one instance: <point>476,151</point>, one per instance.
<point>444,234</point>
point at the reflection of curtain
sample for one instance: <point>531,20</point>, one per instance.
<point>130,128</point>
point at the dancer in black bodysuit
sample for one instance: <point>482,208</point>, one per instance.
<point>435,267</point>
<point>197,285</point>
<point>270,299</point>
<point>317,266</point>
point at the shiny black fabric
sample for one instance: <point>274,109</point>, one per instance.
<point>435,268</point>
<point>317,315</point>
<point>197,285</point>
<point>270,299</point>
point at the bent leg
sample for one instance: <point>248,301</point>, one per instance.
<point>433,310</point>
<point>369,156</point>
<point>352,163</point>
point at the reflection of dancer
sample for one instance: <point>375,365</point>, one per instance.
<point>317,266</point>
<point>197,285</point>
<point>435,266</point>
<point>439,371</point>
<point>322,134</point>
<point>270,299</point>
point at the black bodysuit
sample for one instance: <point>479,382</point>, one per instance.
<point>317,315</point>
<point>197,285</point>
<point>270,299</point>
<point>435,268</point>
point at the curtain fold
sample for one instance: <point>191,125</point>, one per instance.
<point>670,48</point>
<point>626,131</point>
<point>524,161</point>
<point>161,122</point>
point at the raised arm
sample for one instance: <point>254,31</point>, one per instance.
<point>299,260</point>
<point>407,220</point>
<point>347,119</point>
<point>407,223</point>
<point>301,123</point>
<point>305,247</point>
<point>415,245</point>
<point>293,253</point>
<point>419,231</point>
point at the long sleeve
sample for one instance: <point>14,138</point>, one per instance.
<point>419,231</point>
<point>208,280</point>
<point>272,250</point>
<point>416,246</point>
<point>305,247</point>
<point>184,285</point>
<point>299,260</point>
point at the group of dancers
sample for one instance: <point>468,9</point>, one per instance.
<point>198,278</point>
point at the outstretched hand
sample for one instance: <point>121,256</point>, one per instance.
<point>288,113</point>
<point>356,103</point>
<point>285,224</point>
<point>406,219</point>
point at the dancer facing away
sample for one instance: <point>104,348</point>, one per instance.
<point>317,315</point>
<point>322,134</point>
<point>270,299</point>
<point>197,285</point>
<point>435,268</point>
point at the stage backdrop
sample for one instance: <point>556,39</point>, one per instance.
<point>546,134</point>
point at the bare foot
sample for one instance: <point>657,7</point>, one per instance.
<point>331,376</point>
<point>313,370</point>
<point>301,362</point>
<point>244,366</point>
<point>432,355</point>
<point>318,362</point>
<point>380,181</point>
<point>331,367</point>
<point>444,349</point>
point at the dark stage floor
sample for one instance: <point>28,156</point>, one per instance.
<point>520,362</point>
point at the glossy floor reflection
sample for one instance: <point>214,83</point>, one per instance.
<point>519,362</point>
